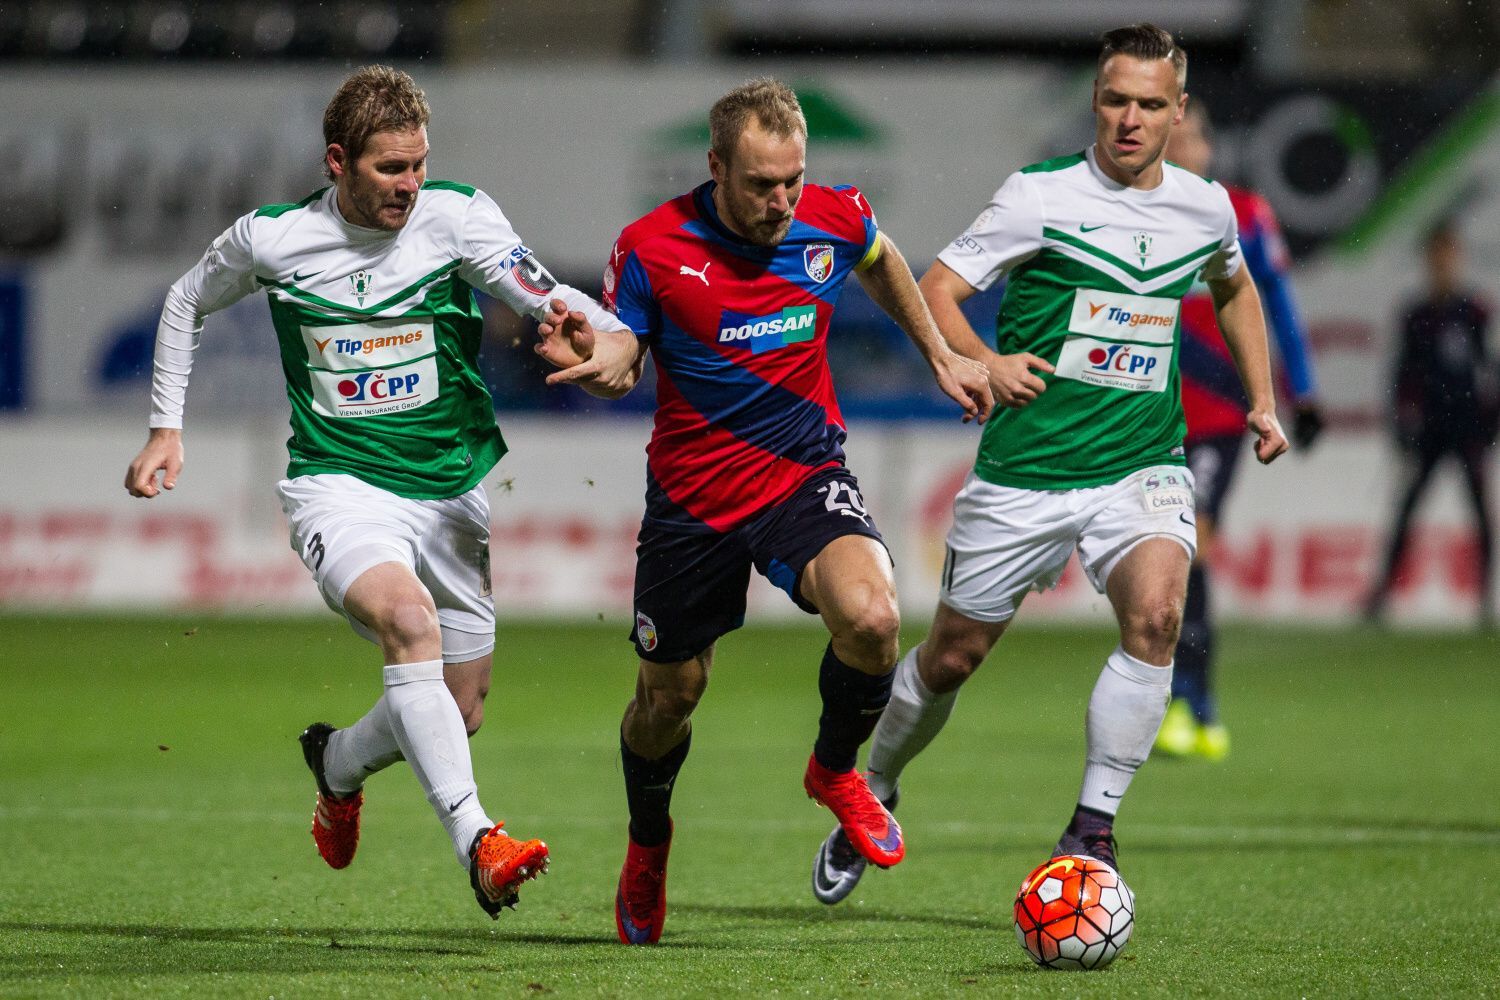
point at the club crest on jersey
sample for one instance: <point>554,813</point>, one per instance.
<point>817,259</point>
<point>1142,246</point>
<point>645,631</point>
<point>793,325</point>
<point>359,284</point>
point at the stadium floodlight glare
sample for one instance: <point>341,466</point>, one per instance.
<point>169,29</point>
<point>376,30</point>
<point>66,28</point>
<point>273,29</point>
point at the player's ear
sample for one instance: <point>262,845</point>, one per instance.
<point>717,168</point>
<point>336,160</point>
<point>1182,103</point>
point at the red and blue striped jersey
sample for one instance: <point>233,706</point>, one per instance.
<point>1212,398</point>
<point>745,409</point>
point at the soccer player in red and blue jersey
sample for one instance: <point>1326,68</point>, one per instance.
<point>1213,402</point>
<point>730,287</point>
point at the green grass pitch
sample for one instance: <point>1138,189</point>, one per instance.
<point>154,815</point>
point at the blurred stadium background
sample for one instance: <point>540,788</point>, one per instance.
<point>138,129</point>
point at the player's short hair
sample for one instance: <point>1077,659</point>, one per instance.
<point>373,99</point>
<point>1144,42</point>
<point>773,103</point>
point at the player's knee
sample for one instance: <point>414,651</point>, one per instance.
<point>877,627</point>
<point>949,664</point>
<point>1159,623</point>
<point>408,622</point>
<point>673,704</point>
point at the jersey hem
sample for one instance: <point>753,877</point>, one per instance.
<point>1055,481</point>
<point>404,490</point>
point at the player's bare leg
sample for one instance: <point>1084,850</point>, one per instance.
<point>1125,710</point>
<point>850,583</point>
<point>655,737</point>
<point>923,693</point>
<point>1192,725</point>
<point>430,727</point>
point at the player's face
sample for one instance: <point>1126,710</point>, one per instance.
<point>1188,145</point>
<point>379,190</point>
<point>760,185</point>
<point>1136,104</point>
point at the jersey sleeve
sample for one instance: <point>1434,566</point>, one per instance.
<point>864,219</point>
<point>224,275</point>
<point>499,264</point>
<point>1006,233</point>
<point>627,290</point>
<point>1225,261</point>
<point>1269,262</point>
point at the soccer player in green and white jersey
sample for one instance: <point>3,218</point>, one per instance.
<point>1098,249</point>
<point>370,285</point>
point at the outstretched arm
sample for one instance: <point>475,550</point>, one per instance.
<point>1243,325</point>
<point>889,282</point>
<point>1011,375</point>
<point>222,277</point>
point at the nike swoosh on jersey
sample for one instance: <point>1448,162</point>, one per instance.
<point>1184,519</point>
<point>1089,229</point>
<point>299,276</point>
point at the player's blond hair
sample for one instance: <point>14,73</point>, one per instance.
<point>373,99</point>
<point>1145,42</point>
<point>774,105</point>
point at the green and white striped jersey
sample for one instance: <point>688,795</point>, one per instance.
<point>378,332</point>
<point>1096,272</point>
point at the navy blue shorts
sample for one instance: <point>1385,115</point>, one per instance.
<point>690,587</point>
<point>1213,461</point>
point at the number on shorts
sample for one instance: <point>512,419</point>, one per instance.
<point>315,550</point>
<point>845,499</point>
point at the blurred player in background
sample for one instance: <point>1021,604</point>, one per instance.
<point>370,283</point>
<point>1099,249</point>
<point>1447,401</point>
<point>1213,401</point>
<point>731,288</point>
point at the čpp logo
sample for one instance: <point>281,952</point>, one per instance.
<point>1118,359</point>
<point>377,387</point>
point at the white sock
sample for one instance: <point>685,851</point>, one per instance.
<point>430,731</point>
<point>1125,711</point>
<point>912,718</point>
<point>355,753</point>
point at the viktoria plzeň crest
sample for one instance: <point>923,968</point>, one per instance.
<point>1142,246</point>
<point>359,284</point>
<point>817,258</point>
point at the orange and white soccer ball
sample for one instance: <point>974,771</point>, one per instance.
<point>1074,912</point>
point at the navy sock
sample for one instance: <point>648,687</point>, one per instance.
<point>852,703</point>
<point>1190,675</point>
<point>1090,822</point>
<point>648,791</point>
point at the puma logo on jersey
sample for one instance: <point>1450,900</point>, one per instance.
<point>855,198</point>
<point>701,275</point>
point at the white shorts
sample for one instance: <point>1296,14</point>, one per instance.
<point>343,526</point>
<point>1006,542</point>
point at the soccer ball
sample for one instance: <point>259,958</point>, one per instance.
<point>1074,912</point>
